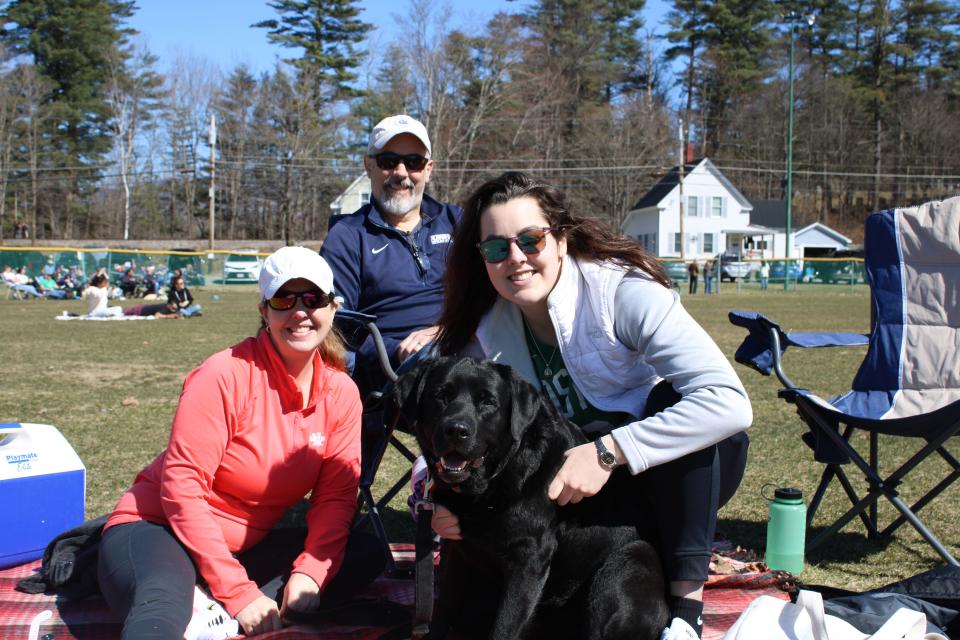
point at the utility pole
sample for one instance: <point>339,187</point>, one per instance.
<point>793,18</point>
<point>213,171</point>
<point>683,240</point>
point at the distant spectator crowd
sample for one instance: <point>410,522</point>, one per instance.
<point>128,281</point>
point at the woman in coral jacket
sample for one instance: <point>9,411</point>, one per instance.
<point>258,426</point>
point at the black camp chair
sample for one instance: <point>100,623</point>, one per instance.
<point>376,436</point>
<point>908,385</point>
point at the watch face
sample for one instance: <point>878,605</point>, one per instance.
<point>607,459</point>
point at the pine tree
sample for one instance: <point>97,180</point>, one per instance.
<point>328,31</point>
<point>687,22</point>
<point>72,44</point>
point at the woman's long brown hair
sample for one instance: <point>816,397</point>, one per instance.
<point>468,292</point>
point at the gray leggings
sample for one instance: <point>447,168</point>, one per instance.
<point>147,576</point>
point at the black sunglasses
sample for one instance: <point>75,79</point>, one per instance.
<point>312,299</point>
<point>388,160</point>
<point>531,241</point>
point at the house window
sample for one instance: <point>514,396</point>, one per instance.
<point>692,207</point>
<point>676,243</point>
<point>364,197</point>
<point>716,206</point>
<point>708,243</point>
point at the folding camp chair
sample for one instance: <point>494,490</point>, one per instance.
<point>376,436</point>
<point>908,385</point>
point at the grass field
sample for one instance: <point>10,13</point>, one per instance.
<point>112,387</point>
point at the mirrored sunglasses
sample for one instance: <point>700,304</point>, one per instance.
<point>389,160</point>
<point>531,241</point>
<point>312,299</point>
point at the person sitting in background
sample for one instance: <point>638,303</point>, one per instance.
<point>162,310</point>
<point>151,285</point>
<point>19,281</point>
<point>47,286</point>
<point>258,426</point>
<point>181,297</point>
<point>71,281</point>
<point>128,283</point>
<point>96,296</point>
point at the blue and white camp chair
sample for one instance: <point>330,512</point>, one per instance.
<point>909,383</point>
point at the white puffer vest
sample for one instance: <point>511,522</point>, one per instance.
<point>612,376</point>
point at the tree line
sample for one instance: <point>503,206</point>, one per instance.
<point>97,142</point>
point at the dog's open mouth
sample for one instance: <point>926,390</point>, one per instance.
<point>453,468</point>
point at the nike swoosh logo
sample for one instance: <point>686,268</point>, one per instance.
<point>376,251</point>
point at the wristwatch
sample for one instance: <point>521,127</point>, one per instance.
<point>607,459</point>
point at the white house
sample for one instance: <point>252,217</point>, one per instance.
<point>353,197</point>
<point>717,218</point>
<point>716,215</point>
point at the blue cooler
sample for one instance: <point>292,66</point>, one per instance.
<point>42,490</point>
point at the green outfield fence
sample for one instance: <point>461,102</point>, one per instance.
<point>200,268</point>
<point>796,271</point>
<point>219,267</point>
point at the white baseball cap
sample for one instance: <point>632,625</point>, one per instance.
<point>388,128</point>
<point>290,263</point>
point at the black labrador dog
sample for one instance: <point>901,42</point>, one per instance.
<point>525,568</point>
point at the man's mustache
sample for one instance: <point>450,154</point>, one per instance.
<point>406,183</point>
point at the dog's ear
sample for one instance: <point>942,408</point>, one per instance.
<point>402,406</point>
<point>524,399</point>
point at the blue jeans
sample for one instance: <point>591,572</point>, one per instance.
<point>192,310</point>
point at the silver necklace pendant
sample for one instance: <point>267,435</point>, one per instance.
<point>547,372</point>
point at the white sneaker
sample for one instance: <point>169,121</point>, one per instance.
<point>210,621</point>
<point>679,630</point>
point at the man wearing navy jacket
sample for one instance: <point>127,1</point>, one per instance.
<point>389,256</point>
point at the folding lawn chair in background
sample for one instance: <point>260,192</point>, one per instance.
<point>908,386</point>
<point>376,436</point>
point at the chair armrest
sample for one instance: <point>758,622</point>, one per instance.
<point>346,317</point>
<point>766,342</point>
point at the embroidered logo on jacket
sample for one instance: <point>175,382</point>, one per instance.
<point>376,251</point>
<point>317,440</point>
<point>440,238</point>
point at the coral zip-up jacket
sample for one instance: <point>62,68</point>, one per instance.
<point>241,452</point>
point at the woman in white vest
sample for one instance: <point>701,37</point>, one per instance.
<point>590,318</point>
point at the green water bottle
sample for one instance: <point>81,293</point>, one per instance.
<point>786,530</point>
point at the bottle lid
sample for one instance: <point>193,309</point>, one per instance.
<point>787,493</point>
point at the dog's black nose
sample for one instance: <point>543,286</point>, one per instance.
<point>456,431</point>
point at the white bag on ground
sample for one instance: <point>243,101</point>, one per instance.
<point>769,618</point>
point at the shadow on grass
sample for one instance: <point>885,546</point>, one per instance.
<point>843,546</point>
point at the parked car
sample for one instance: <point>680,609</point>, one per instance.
<point>840,272</point>
<point>190,265</point>
<point>242,267</point>
<point>676,270</point>
<point>732,266</point>
<point>777,270</point>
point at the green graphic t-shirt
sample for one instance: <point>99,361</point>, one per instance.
<point>559,386</point>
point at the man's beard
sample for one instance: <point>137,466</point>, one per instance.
<point>399,204</point>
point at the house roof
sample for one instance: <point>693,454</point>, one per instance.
<point>769,213</point>
<point>669,182</point>
<point>825,230</point>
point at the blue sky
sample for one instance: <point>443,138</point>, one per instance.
<point>219,30</point>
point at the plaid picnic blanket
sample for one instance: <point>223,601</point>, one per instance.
<point>736,579</point>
